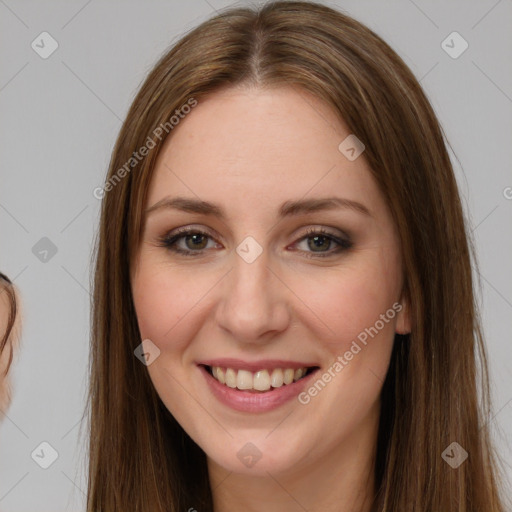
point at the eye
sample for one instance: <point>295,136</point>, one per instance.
<point>320,241</point>
<point>192,242</point>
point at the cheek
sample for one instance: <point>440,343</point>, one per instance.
<point>346,302</point>
<point>156,308</point>
<point>164,300</point>
<point>360,306</point>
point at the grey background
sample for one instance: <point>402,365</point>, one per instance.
<point>59,120</point>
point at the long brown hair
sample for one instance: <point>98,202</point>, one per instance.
<point>140,459</point>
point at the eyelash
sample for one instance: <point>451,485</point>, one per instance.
<point>169,242</point>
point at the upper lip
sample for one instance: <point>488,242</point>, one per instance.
<point>253,366</point>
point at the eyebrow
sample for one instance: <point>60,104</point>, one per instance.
<point>287,209</point>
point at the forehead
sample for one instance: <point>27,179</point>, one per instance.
<point>259,146</point>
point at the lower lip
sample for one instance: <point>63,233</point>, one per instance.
<point>247,401</point>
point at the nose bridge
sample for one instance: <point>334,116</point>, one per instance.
<point>252,302</point>
<point>250,278</point>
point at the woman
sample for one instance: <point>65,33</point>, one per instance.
<point>283,312</point>
<point>9,335</point>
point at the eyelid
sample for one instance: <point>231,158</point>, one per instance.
<point>327,230</point>
<point>191,228</point>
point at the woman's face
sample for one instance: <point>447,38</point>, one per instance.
<point>282,280</point>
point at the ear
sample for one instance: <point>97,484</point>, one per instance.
<point>403,317</point>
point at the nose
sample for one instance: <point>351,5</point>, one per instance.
<point>254,304</point>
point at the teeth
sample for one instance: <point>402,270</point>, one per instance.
<point>230,378</point>
<point>262,380</point>
<point>288,376</point>
<point>277,378</point>
<point>244,379</point>
<point>221,376</point>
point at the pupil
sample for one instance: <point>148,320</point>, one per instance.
<point>197,237</point>
<point>319,245</point>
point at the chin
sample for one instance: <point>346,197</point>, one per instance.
<point>256,456</point>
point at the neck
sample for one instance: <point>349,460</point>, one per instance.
<point>341,479</point>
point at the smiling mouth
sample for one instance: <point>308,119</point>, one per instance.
<point>261,381</point>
